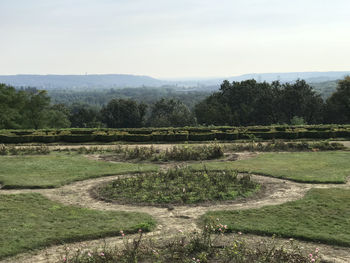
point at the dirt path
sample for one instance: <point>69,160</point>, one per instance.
<point>274,192</point>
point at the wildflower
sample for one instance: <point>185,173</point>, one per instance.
<point>89,254</point>
<point>64,259</point>
<point>122,233</point>
<point>313,260</point>
<point>180,231</point>
<point>316,250</point>
<point>239,233</point>
<point>102,254</point>
<point>140,230</point>
<point>310,255</point>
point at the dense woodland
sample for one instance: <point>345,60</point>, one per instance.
<point>238,103</point>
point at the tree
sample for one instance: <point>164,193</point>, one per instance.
<point>121,113</point>
<point>84,116</point>
<point>170,113</point>
<point>36,108</point>
<point>338,105</point>
<point>299,99</point>
<point>11,105</point>
<point>251,103</point>
<point>213,111</point>
<point>58,116</point>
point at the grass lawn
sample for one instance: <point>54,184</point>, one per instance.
<point>312,167</point>
<point>47,171</point>
<point>322,215</point>
<point>29,221</point>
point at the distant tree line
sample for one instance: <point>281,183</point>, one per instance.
<point>252,103</point>
<point>237,103</point>
<point>148,95</point>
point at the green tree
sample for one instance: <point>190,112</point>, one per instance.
<point>121,113</point>
<point>170,113</point>
<point>36,108</point>
<point>58,116</point>
<point>212,111</point>
<point>11,105</point>
<point>338,105</point>
<point>84,116</point>
<point>299,99</point>
<point>251,103</point>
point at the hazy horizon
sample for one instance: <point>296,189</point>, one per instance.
<point>173,39</point>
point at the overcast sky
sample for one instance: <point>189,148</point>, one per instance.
<point>173,38</point>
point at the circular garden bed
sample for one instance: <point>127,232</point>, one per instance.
<point>178,186</point>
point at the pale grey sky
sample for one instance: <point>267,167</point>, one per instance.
<point>173,38</point>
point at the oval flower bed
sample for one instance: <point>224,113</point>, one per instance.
<point>178,186</point>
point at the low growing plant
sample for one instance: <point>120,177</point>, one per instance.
<point>275,146</point>
<point>178,186</point>
<point>204,246</point>
<point>13,150</point>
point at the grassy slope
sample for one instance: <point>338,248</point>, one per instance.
<point>29,221</point>
<point>57,169</point>
<point>322,215</point>
<point>323,167</point>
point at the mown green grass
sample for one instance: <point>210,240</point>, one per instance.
<point>322,215</point>
<point>57,169</point>
<point>313,167</point>
<point>30,221</point>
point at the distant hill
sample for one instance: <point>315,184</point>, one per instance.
<point>310,77</point>
<point>132,81</point>
<point>80,81</point>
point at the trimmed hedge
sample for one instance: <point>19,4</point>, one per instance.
<point>176,134</point>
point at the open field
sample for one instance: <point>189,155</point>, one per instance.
<point>322,215</point>
<point>308,167</point>
<point>75,176</point>
<point>57,169</point>
<point>30,221</point>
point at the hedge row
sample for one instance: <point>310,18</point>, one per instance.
<point>175,134</point>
